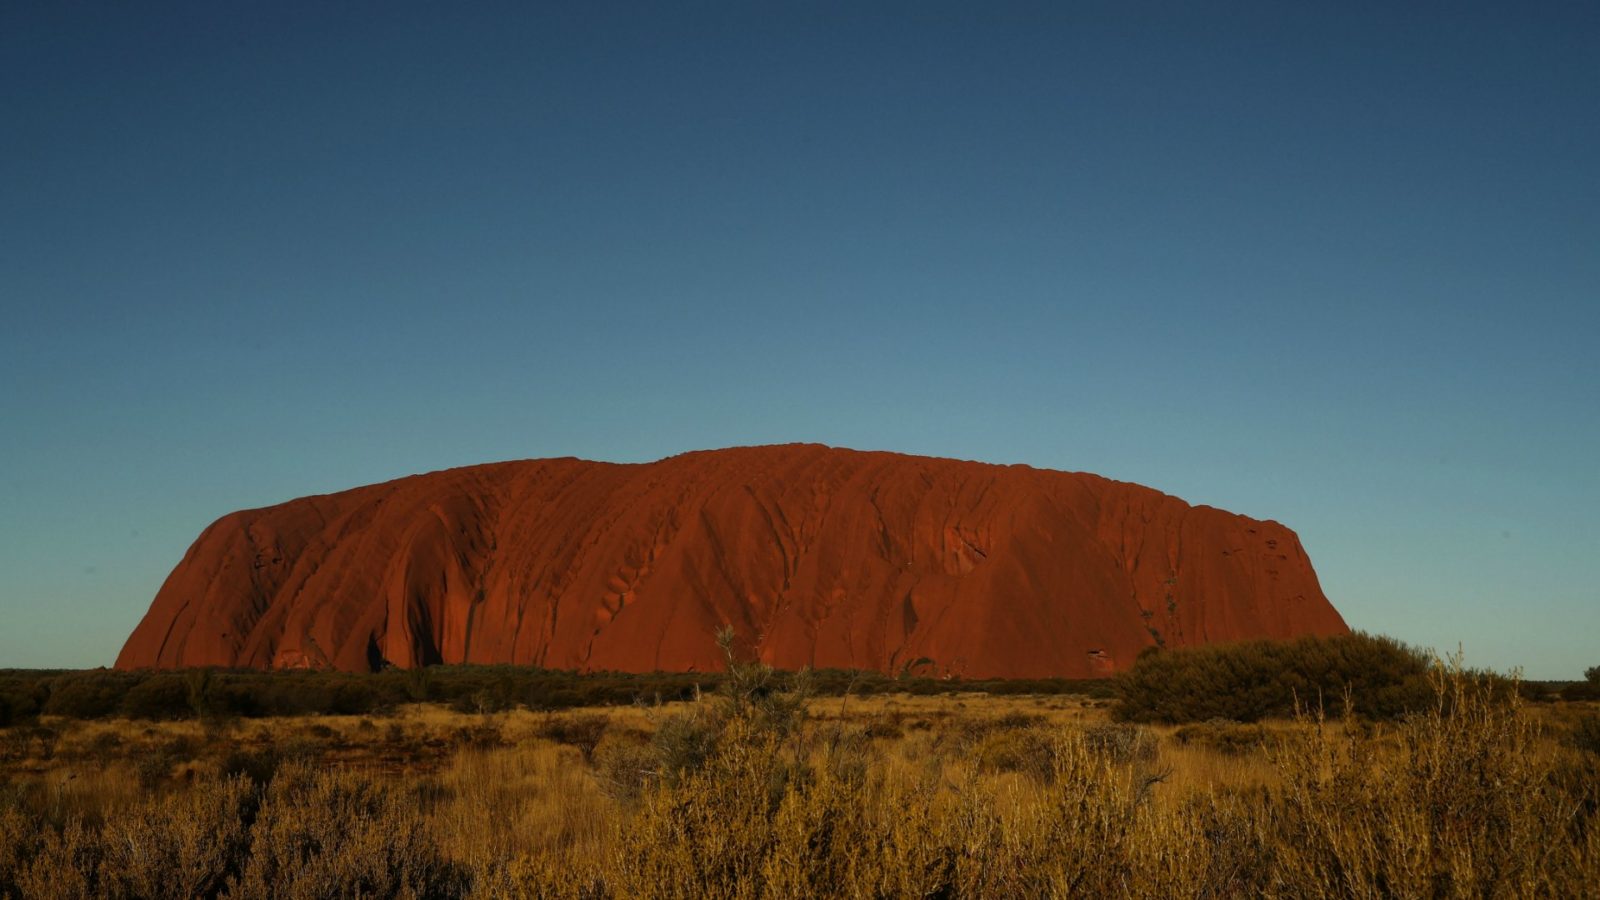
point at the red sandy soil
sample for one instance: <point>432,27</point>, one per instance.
<point>817,556</point>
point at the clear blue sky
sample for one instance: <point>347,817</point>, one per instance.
<point>1338,267</point>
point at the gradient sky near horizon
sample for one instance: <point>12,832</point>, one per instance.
<point>1336,265</point>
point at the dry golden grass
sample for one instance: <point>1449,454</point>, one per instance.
<point>882,796</point>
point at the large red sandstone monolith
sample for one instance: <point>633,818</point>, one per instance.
<point>816,556</point>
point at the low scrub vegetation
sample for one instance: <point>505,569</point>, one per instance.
<point>763,788</point>
<point>198,693</point>
<point>1378,677</point>
<point>1587,689</point>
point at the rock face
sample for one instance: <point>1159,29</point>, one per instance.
<point>817,556</point>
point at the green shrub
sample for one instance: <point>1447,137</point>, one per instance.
<point>1381,677</point>
<point>208,692</point>
<point>86,695</point>
<point>1587,689</point>
<point>354,698</point>
<point>158,697</point>
<point>22,696</point>
<point>1586,734</point>
<point>257,765</point>
<point>1579,691</point>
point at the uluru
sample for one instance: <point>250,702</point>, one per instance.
<point>817,556</point>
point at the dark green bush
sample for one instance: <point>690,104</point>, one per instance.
<point>1586,734</point>
<point>1587,689</point>
<point>86,695</point>
<point>22,696</point>
<point>356,698</point>
<point>230,698</point>
<point>209,693</point>
<point>158,697</point>
<point>1249,681</point>
<point>258,764</point>
<point>1579,691</point>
